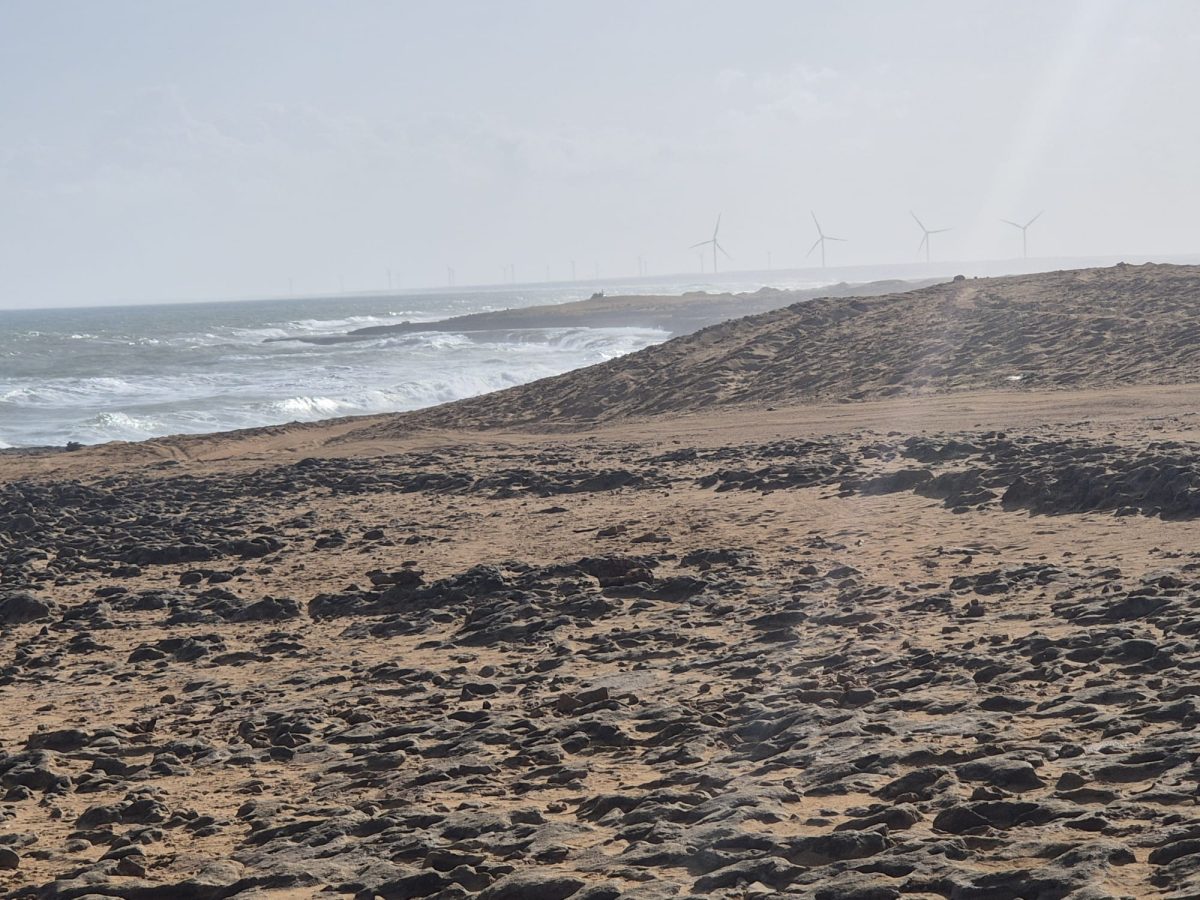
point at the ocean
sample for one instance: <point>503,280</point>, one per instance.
<point>129,373</point>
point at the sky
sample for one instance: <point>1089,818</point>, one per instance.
<point>221,149</point>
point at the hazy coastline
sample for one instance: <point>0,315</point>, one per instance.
<point>133,373</point>
<point>834,552</point>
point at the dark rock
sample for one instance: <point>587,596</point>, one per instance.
<point>533,886</point>
<point>18,609</point>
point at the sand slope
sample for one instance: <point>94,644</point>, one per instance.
<point>1085,328</point>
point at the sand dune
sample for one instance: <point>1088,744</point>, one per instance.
<point>1084,328</point>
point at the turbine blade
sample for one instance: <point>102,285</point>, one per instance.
<point>1034,219</point>
<point>815,222</point>
<point>718,228</point>
<point>828,238</point>
<point>940,230</point>
<point>701,244</point>
<point>1009,222</point>
<point>924,240</point>
<point>722,249</point>
<point>816,244</point>
<point>920,224</point>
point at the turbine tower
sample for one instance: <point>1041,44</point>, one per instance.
<point>925,233</point>
<point>822,237</point>
<point>1024,235</point>
<point>715,244</point>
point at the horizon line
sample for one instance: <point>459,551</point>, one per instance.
<point>1100,260</point>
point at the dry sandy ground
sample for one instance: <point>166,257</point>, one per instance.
<point>917,647</point>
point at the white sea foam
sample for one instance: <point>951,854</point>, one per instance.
<point>73,392</point>
<point>308,406</point>
<point>118,426</point>
<point>307,327</point>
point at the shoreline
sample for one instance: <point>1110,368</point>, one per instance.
<point>361,436</point>
<point>674,314</point>
<point>669,315</point>
<point>344,630</point>
<point>822,640</point>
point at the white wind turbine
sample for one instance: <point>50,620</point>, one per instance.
<point>715,245</point>
<point>821,239</point>
<point>926,232</point>
<point>1024,232</point>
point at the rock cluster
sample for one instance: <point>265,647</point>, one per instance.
<point>675,717</point>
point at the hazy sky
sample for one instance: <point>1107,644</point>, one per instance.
<point>217,149</point>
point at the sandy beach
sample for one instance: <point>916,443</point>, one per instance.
<point>856,599</point>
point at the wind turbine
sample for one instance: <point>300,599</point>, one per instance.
<point>715,244</point>
<point>926,232</point>
<point>821,239</point>
<point>1024,236</point>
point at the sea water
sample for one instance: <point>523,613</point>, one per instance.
<point>128,373</point>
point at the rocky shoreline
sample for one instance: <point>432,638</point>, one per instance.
<point>812,604</point>
<point>810,666</point>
